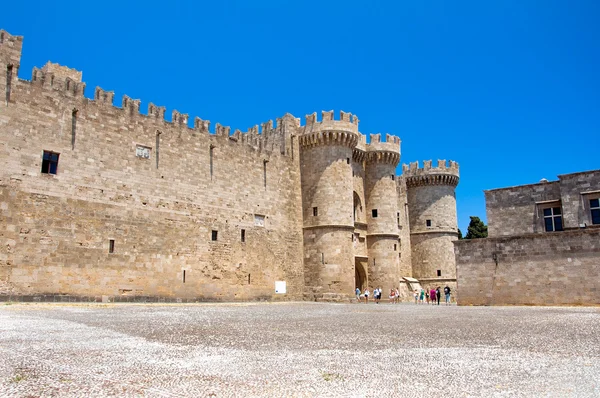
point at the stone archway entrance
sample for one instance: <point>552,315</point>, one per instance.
<point>360,273</point>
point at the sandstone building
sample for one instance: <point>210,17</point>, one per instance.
<point>543,246</point>
<point>99,200</point>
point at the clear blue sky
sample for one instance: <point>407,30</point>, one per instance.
<point>510,89</point>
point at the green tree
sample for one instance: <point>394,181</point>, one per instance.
<point>477,229</point>
<point>460,234</point>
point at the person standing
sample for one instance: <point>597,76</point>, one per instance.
<point>421,296</point>
<point>427,295</point>
<point>357,294</point>
<point>447,294</point>
<point>397,296</point>
<point>367,295</point>
<point>432,296</point>
<point>438,293</point>
<point>416,294</point>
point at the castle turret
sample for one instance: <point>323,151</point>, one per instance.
<point>327,191</point>
<point>432,219</point>
<point>382,204</point>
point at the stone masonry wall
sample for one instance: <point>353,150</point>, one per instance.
<point>558,268</point>
<point>160,210</point>
<point>512,211</point>
<point>575,190</point>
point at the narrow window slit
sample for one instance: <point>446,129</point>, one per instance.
<point>73,128</point>
<point>9,72</point>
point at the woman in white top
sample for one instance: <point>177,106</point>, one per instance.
<point>367,292</point>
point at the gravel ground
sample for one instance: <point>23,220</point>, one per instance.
<point>297,349</point>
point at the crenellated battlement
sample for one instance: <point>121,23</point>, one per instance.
<point>387,151</point>
<point>329,131</point>
<point>47,79</point>
<point>443,174</point>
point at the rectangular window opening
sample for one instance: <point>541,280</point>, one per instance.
<point>111,246</point>
<point>398,218</point>
<point>374,213</point>
<point>50,162</point>
<point>395,247</point>
<point>552,219</point>
<point>393,177</point>
<point>315,211</point>
<point>348,160</point>
<point>183,276</point>
<point>214,235</point>
<point>248,278</point>
<point>595,211</point>
<point>439,272</point>
<point>243,235</point>
<point>428,223</point>
<point>259,220</point>
<point>142,152</point>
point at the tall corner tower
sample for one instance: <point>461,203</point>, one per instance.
<point>432,218</point>
<point>382,207</point>
<point>327,205</point>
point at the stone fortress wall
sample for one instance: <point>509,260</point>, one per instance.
<point>522,263</point>
<point>144,207</point>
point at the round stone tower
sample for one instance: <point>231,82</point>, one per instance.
<point>382,204</point>
<point>327,205</point>
<point>432,220</point>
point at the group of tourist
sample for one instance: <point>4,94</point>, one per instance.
<point>377,292</point>
<point>429,295</point>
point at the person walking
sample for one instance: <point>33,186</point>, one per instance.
<point>367,295</point>
<point>416,295</point>
<point>421,296</point>
<point>438,293</point>
<point>447,294</point>
<point>397,296</point>
<point>427,295</point>
<point>357,294</point>
<point>432,296</point>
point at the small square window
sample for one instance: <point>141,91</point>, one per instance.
<point>439,272</point>
<point>142,152</point>
<point>111,246</point>
<point>374,213</point>
<point>214,235</point>
<point>315,211</point>
<point>50,162</point>
<point>243,235</point>
<point>259,220</point>
<point>428,223</point>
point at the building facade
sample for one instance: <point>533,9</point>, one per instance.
<point>543,246</point>
<point>99,200</point>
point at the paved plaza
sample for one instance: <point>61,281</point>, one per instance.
<point>297,349</point>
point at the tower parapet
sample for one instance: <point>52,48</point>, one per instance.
<point>443,174</point>
<point>330,131</point>
<point>387,151</point>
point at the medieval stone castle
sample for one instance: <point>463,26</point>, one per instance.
<point>98,200</point>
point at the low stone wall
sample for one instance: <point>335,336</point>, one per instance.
<point>560,268</point>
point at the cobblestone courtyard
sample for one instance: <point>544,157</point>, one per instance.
<point>297,349</point>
